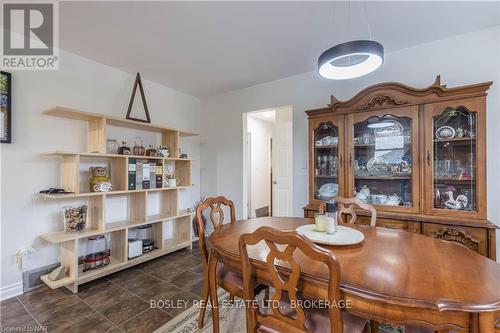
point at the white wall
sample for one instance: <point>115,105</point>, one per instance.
<point>86,85</point>
<point>260,184</point>
<point>463,59</point>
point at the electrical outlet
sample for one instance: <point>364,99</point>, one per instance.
<point>21,253</point>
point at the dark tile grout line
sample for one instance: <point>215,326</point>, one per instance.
<point>134,294</point>
<point>185,253</point>
<point>29,312</point>
<point>137,315</point>
<point>48,314</point>
<point>186,291</point>
<point>99,313</point>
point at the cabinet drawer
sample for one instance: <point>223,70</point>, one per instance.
<point>472,238</point>
<point>392,224</point>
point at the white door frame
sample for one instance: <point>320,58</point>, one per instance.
<point>246,167</point>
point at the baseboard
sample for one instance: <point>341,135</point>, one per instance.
<point>11,290</point>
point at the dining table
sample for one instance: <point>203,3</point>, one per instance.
<point>392,276</point>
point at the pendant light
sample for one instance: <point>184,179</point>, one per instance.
<point>351,59</point>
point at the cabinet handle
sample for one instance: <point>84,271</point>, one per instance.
<point>428,159</point>
<point>350,160</point>
<point>340,159</point>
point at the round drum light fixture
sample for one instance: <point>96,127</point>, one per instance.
<point>351,59</point>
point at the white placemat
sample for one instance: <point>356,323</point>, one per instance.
<point>343,235</point>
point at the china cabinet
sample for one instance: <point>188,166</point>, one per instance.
<point>417,155</point>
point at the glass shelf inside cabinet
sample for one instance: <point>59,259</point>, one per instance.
<point>383,161</point>
<point>326,163</point>
<point>455,159</point>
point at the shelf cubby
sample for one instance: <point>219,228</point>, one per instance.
<point>156,206</point>
<point>117,171</point>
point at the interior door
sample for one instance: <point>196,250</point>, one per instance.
<point>383,157</point>
<point>281,157</point>
<point>326,169</point>
<point>455,158</point>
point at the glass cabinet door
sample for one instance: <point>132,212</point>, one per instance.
<point>454,162</point>
<point>326,164</point>
<point>382,161</point>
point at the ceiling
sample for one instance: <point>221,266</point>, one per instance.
<point>207,48</point>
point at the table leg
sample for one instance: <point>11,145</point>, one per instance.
<point>486,323</point>
<point>212,278</point>
<point>474,323</point>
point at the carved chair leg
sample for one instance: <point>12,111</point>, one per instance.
<point>203,307</point>
<point>374,326</point>
<point>212,279</point>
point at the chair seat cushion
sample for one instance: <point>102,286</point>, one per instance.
<point>225,275</point>
<point>318,320</point>
<point>351,323</point>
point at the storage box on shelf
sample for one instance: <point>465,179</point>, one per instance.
<point>74,179</point>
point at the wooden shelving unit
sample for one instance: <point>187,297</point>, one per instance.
<point>137,200</point>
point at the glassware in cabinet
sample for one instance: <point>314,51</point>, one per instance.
<point>454,147</point>
<point>325,160</point>
<point>455,158</point>
<point>382,159</point>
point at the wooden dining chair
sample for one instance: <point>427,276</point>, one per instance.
<point>227,279</point>
<point>290,315</point>
<point>347,207</point>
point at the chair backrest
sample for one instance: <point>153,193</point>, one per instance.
<point>286,279</point>
<point>216,216</point>
<point>347,206</point>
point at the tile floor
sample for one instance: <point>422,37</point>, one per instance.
<point>116,303</point>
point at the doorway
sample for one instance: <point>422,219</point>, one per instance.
<point>267,162</point>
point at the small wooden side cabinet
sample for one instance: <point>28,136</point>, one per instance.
<point>417,155</point>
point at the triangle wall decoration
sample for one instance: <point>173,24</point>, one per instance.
<point>143,97</point>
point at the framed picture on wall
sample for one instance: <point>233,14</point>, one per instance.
<point>5,107</point>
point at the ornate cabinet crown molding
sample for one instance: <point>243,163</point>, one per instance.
<point>393,94</point>
<point>380,100</point>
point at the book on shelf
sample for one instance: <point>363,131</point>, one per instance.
<point>138,176</point>
<point>146,183</point>
<point>131,173</point>
<point>159,174</point>
<point>152,174</point>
